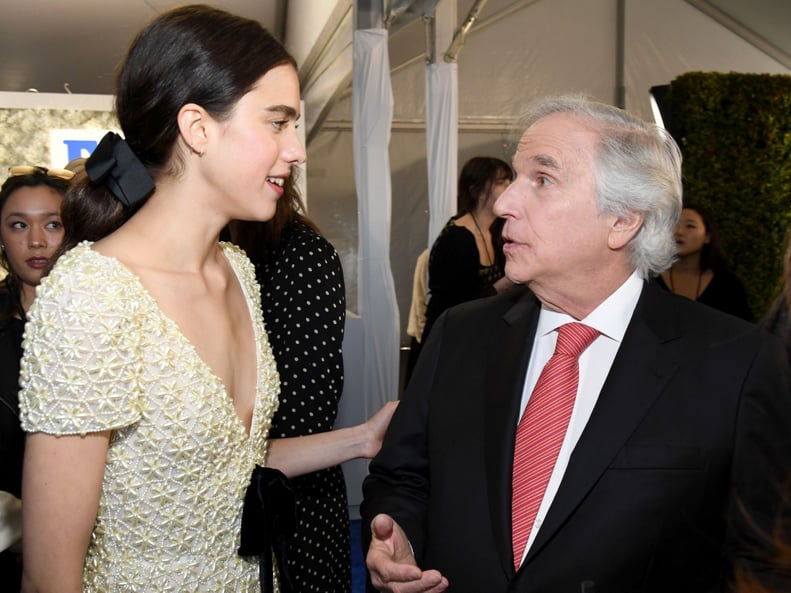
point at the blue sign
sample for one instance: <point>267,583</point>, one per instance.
<point>79,148</point>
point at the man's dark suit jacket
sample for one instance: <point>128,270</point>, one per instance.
<point>675,481</point>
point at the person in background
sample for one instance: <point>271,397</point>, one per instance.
<point>466,260</point>
<point>304,305</point>
<point>585,429</point>
<point>417,311</point>
<point>76,165</point>
<point>776,319</point>
<point>700,271</point>
<point>30,234</point>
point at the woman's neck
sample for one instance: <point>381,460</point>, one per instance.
<point>688,264</point>
<point>484,216</point>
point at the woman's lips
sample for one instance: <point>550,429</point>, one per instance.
<point>37,262</point>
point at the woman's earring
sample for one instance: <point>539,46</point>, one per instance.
<point>199,151</point>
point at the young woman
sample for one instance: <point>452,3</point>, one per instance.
<point>700,273</point>
<point>466,261</point>
<point>148,384</point>
<point>30,233</point>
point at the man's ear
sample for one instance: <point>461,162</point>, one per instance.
<point>193,123</point>
<point>623,229</point>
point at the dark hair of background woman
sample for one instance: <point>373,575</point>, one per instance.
<point>185,58</point>
<point>476,176</point>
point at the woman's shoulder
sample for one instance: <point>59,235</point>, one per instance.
<point>727,277</point>
<point>83,278</point>
<point>453,231</point>
<point>81,256</point>
<point>452,241</point>
<point>726,283</point>
<point>302,235</point>
<point>82,265</point>
<point>304,244</point>
<point>9,304</point>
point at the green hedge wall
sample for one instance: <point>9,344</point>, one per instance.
<point>734,131</point>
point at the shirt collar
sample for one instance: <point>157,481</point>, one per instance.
<point>610,318</point>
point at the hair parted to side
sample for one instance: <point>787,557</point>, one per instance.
<point>476,177</point>
<point>638,170</point>
<point>190,54</point>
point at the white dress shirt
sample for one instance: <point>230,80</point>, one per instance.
<point>611,319</point>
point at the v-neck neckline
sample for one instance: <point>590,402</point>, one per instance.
<point>174,328</point>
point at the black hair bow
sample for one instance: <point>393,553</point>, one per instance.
<point>113,163</point>
<point>268,521</point>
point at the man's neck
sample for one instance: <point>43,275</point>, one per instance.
<point>589,297</point>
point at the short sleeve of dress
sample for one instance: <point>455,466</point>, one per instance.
<point>80,365</point>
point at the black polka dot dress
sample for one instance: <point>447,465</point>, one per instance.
<point>303,299</point>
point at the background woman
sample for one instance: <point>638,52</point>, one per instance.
<point>700,272</point>
<point>466,261</point>
<point>304,305</point>
<point>30,234</point>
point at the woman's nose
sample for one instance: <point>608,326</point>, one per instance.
<point>294,151</point>
<point>38,240</point>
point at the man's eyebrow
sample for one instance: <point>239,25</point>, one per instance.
<point>546,161</point>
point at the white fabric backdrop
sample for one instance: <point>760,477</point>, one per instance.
<point>373,108</point>
<point>442,144</point>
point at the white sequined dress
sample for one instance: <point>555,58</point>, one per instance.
<point>100,355</point>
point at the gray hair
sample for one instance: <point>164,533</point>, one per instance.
<point>637,169</point>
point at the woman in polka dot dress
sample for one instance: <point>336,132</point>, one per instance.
<point>304,305</point>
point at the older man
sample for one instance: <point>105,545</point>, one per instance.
<point>585,430</point>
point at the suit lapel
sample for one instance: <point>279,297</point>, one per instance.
<point>640,371</point>
<point>507,359</point>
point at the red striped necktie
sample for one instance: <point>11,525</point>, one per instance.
<point>542,429</point>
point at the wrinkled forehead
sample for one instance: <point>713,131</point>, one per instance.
<point>557,140</point>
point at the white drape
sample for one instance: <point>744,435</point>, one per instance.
<point>442,123</point>
<point>372,106</point>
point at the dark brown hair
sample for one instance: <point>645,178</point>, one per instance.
<point>476,177</point>
<point>191,54</point>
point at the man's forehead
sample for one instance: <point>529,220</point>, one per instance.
<point>552,139</point>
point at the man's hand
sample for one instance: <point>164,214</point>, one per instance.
<point>391,563</point>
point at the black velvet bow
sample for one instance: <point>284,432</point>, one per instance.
<point>113,163</point>
<point>268,521</point>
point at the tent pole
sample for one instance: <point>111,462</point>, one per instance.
<point>620,88</point>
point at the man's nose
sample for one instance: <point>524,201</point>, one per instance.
<point>500,207</point>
